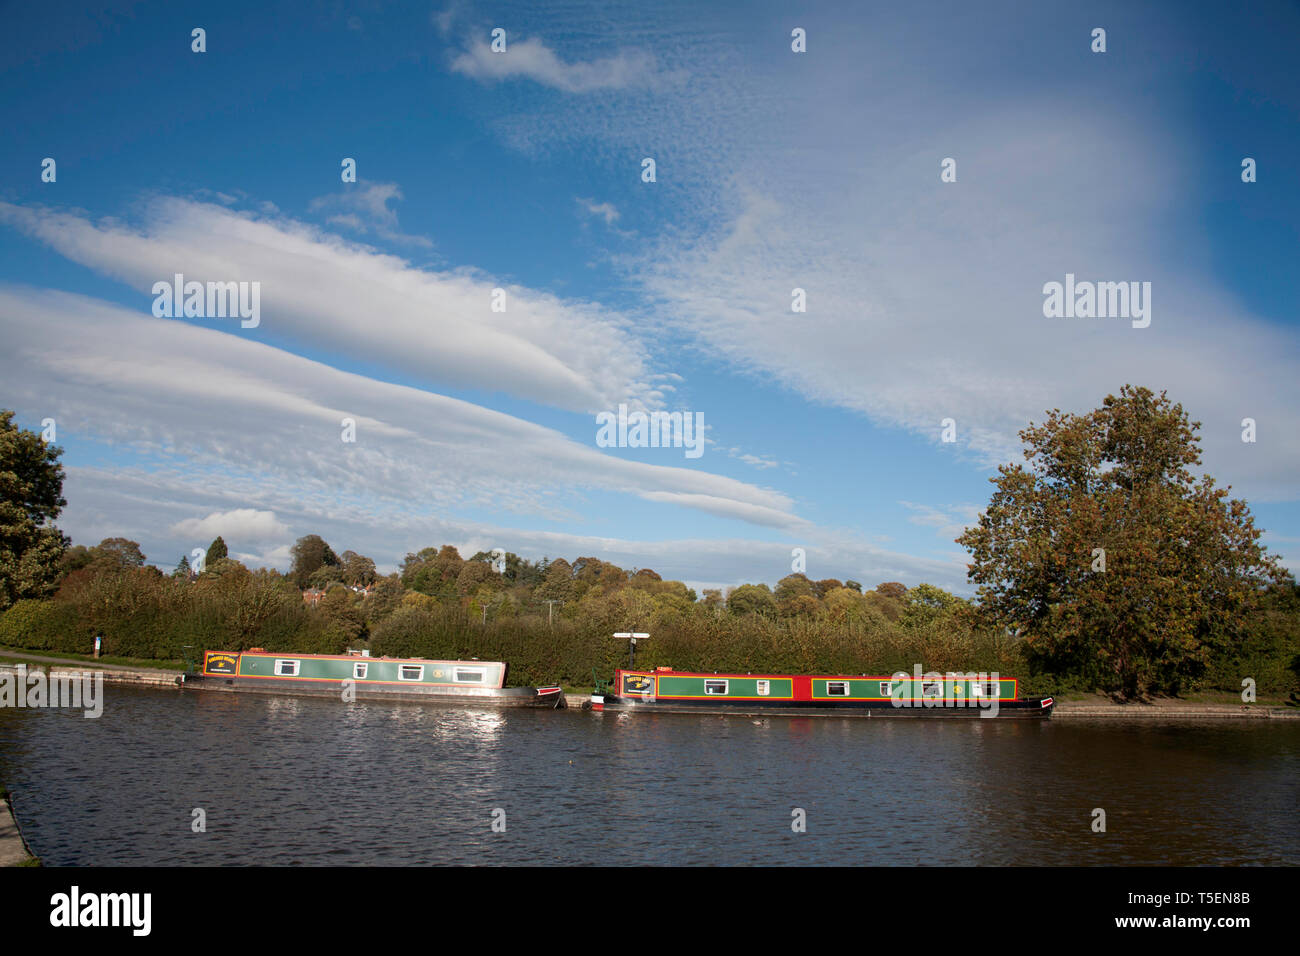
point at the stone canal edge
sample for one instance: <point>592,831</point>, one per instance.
<point>13,848</point>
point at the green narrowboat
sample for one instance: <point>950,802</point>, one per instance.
<point>359,677</point>
<point>897,695</point>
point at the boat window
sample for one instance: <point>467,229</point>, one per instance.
<point>410,672</point>
<point>715,687</point>
<point>886,688</point>
<point>468,675</point>
<point>764,688</point>
<point>286,668</point>
<point>931,688</point>
<point>989,689</point>
<point>837,688</point>
<point>359,671</point>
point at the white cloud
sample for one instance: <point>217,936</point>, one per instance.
<point>925,298</point>
<point>532,59</point>
<point>943,319</point>
<point>249,436</point>
<point>364,209</point>
<point>246,524</point>
<point>948,521</point>
<point>607,212</point>
<point>322,292</point>
<point>244,415</point>
<point>754,461</point>
<point>603,210</point>
<point>132,501</point>
<point>727,508</point>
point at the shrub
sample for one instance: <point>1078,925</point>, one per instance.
<point>45,625</point>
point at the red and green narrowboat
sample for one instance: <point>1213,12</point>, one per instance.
<point>357,677</point>
<point>898,695</point>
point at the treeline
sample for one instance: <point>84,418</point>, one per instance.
<point>552,620</point>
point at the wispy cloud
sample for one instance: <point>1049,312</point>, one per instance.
<point>364,209</point>
<point>241,413</point>
<point>131,501</point>
<point>948,521</point>
<point>321,291</point>
<point>605,211</point>
<point>602,210</point>
<point>925,298</point>
<point>754,461</point>
<point>218,420</point>
<point>532,59</point>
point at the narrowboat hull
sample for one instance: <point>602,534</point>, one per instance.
<point>955,696</point>
<point>348,677</point>
<point>551,697</point>
<point>1028,709</point>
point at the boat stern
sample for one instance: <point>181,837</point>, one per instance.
<point>551,697</point>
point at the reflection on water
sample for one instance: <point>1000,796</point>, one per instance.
<point>286,707</point>
<point>315,781</point>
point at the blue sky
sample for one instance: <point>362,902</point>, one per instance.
<point>522,170</point>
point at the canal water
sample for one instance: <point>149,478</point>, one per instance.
<point>284,780</point>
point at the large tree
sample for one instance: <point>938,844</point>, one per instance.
<point>31,497</point>
<point>310,553</point>
<point>111,554</point>
<point>1107,553</point>
<point>926,604</point>
<point>118,554</point>
<point>357,569</point>
<point>751,599</point>
<point>216,552</point>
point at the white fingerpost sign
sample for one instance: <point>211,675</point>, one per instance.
<point>632,637</point>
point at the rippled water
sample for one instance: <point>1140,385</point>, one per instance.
<point>303,780</point>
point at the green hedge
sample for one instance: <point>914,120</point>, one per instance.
<point>148,618</point>
<point>568,651</point>
<point>45,626</point>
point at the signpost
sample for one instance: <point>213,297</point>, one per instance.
<point>631,638</point>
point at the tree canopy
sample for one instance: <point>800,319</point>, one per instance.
<point>310,553</point>
<point>31,497</point>
<point>1110,556</point>
<point>1102,562</point>
<point>216,552</point>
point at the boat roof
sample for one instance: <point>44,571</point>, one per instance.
<point>947,675</point>
<point>355,657</point>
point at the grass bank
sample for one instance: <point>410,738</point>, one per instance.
<point>8,656</point>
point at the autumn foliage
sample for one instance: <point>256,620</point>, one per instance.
<point>1111,558</point>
